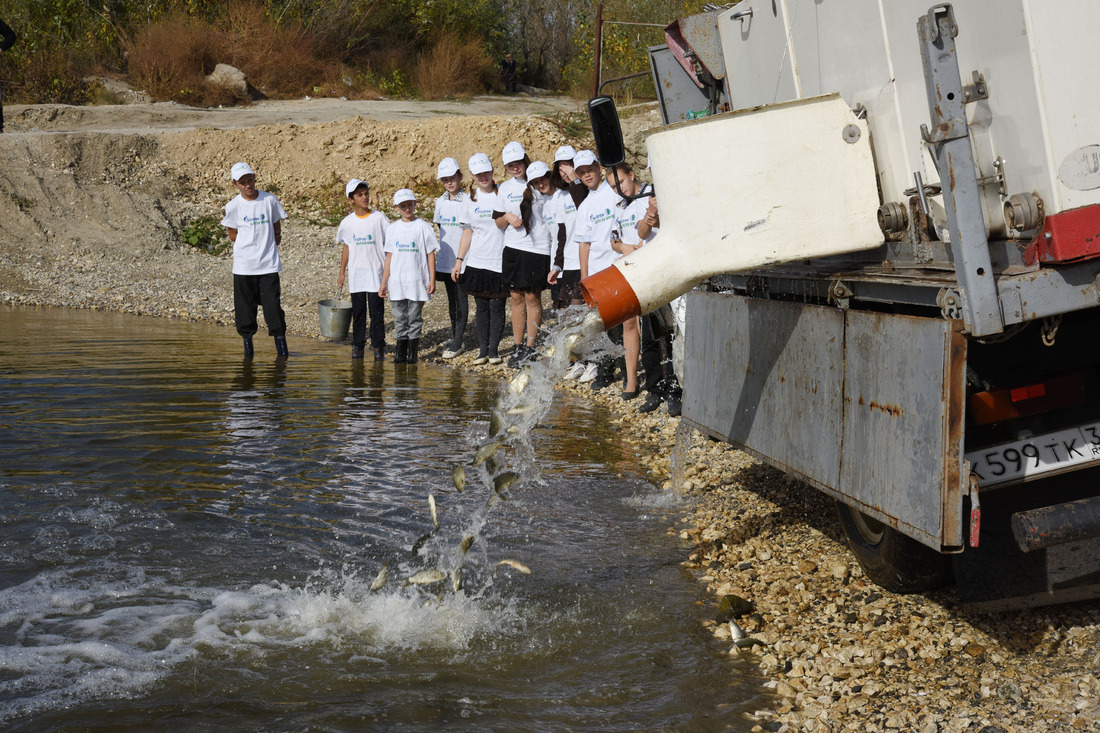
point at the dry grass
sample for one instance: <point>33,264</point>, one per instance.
<point>452,68</point>
<point>170,59</point>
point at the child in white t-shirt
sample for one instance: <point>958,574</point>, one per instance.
<point>448,211</point>
<point>363,233</point>
<point>253,221</point>
<point>408,277</point>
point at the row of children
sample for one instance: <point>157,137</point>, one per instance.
<point>546,226</point>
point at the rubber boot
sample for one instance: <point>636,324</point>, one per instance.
<point>414,346</point>
<point>356,352</point>
<point>249,351</point>
<point>402,353</point>
<point>379,354</point>
<point>281,347</point>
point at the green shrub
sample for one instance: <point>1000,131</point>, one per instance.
<point>207,234</point>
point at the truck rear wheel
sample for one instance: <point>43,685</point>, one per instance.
<point>892,560</point>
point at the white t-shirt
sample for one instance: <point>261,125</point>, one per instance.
<point>510,196</point>
<point>564,211</point>
<point>595,221</point>
<point>254,251</point>
<point>629,215</point>
<point>364,237</point>
<point>487,243</point>
<point>448,211</point>
<point>409,243</point>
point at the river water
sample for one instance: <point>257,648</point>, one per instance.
<point>187,542</point>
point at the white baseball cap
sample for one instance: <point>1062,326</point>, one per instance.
<point>584,157</point>
<point>480,163</point>
<point>447,168</point>
<point>565,152</point>
<point>403,195</point>
<point>513,151</point>
<point>353,186</point>
<point>240,170</point>
<point>538,169</point>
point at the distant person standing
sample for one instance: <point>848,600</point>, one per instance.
<point>7,40</point>
<point>254,224</point>
<point>508,72</point>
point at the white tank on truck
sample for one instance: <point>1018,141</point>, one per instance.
<point>888,218</point>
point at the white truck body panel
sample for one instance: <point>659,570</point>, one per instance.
<point>1039,119</point>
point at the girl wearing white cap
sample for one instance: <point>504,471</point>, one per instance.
<point>477,268</point>
<point>526,260</point>
<point>408,275</point>
<point>565,270</point>
<point>448,211</point>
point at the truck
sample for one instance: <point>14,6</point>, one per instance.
<point>885,219</point>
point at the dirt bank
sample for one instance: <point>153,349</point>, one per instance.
<point>91,204</point>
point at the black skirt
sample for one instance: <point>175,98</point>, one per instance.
<point>569,288</point>
<point>482,283</point>
<point>525,271</point>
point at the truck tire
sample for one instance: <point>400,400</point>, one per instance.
<point>896,562</point>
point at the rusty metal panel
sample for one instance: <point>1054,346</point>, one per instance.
<point>868,407</point>
<point>677,94</point>
<point>767,375</point>
<point>903,414</point>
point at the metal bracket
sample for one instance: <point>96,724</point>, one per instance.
<point>977,90</point>
<point>839,293</point>
<point>950,302</point>
<point>954,157</point>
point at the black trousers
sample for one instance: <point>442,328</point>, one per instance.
<point>252,291</point>
<point>490,324</point>
<point>362,305</point>
<point>660,378</point>
<point>458,307</point>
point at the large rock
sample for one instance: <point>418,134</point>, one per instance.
<point>230,78</point>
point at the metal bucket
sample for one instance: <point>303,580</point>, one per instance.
<point>335,316</point>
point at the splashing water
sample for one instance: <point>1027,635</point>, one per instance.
<point>677,462</point>
<point>521,405</point>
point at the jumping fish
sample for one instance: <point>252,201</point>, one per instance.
<point>550,351</point>
<point>420,542</point>
<point>381,579</point>
<point>519,382</point>
<point>515,565</point>
<point>435,513</point>
<point>458,477</point>
<point>496,422</point>
<point>520,409</point>
<point>736,631</point>
<point>456,580</point>
<point>486,451</point>
<point>504,480</point>
<point>426,577</point>
<point>571,341</point>
<point>466,543</point>
<point>747,642</point>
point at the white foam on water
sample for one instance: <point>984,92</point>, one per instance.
<point>66,639</point>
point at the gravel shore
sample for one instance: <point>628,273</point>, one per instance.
<point>838,653</point>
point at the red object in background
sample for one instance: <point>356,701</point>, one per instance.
<point>1069,236</point>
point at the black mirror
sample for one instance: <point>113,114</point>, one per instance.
<point>606,130</point>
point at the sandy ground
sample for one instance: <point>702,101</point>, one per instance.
<point>92,202</point>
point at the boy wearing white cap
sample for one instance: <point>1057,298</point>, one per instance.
<point>253,221</point>
<point>408,277</point>
<point>448,211</point>
<point>594,225</point>
<point>363,233</point>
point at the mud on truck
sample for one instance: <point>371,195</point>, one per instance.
<point>886,220</point>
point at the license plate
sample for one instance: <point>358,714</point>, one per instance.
<point>1031,457</point>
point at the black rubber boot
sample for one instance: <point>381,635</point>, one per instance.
<point>402,353</point>
<point>414,347</point>
<point>379,354</point>
<point>249,351</point>
<point>281,347</point>
<point>356,352</point>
